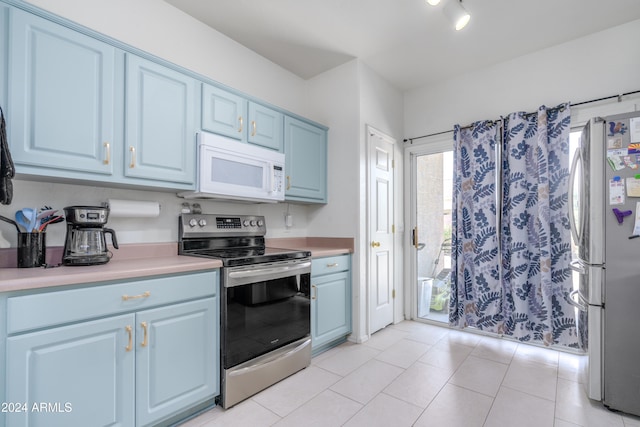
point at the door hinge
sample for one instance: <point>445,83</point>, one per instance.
<point>393,294</point>
<point>393,228</point>
<point>393,163</point>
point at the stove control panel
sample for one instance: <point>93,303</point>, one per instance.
<point>192,225</point>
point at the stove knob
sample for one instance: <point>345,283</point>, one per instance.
<point>245,223</point>
<point>193,222</point>
<point>253,223</point>
<point>260,223</point>
<point>202,222</point>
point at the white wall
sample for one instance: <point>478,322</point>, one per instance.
<point>381,107</point>
<point>160,29</point>
<point>348,98</point>
<point>598,65</point>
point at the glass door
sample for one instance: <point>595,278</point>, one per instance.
<point>431,199</point>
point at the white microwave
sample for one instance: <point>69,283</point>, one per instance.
<point>229,169</point>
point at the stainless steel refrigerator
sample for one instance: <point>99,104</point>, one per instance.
<point>605,192</point>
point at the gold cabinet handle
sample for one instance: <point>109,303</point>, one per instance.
<point>129,330</point>
<point>314,292</point>
<point>253,128</point>
<point>335,264</point>
<point>146,294</point>
<point>107,157</point>
<point>145,339</point>
<point>415,237</point>
<point>241,121</point>
<point>288,182</point>
<point>132,150</point>
<point>375,244</point>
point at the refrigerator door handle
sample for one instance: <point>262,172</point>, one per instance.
<point>572,179</point>
<point>578,304</point>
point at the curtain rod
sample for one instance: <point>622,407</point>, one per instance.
<point>572,105</point>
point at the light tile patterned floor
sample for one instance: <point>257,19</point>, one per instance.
<point>415,374</point>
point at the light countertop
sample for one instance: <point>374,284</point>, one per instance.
<point>140,260</point>
<point>128,262</point>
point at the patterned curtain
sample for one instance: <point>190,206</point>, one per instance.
<point>516,281</point>
<point>535,238</point>
<point>476,291</point>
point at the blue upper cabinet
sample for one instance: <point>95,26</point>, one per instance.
<point>265,127</point>
<point>223,112</point>
<point>305,147</point>
<point>228,114</point>
<point>61,105</point>
<point>160,133</point>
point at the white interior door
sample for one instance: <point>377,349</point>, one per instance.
<point>381,228</point>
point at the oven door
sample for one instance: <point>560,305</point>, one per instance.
<point>265,307</point>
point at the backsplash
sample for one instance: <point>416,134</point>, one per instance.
<point>163,228</point>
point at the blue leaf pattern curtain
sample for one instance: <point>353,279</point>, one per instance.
<point>533,247</point>
<point>476,298</point>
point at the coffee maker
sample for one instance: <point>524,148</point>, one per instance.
<point>85,243</point>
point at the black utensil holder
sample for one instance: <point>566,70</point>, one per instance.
<point>32,249</point>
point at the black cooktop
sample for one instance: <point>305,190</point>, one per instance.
<point>233,239</point>
<point>232,257</point>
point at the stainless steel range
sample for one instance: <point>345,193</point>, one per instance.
<point>265,324</point>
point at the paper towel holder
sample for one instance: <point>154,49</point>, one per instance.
<point>133,208</point>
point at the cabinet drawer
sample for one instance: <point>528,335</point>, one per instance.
<point>330,264</point>
<point>52,308</point>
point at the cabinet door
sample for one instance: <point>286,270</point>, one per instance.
<point>62,99</point>
<point>223,112</point>
<point>160,123</point>
<point>177,358</point>
<point>330,308</point>
<point>305,147</point>
<point>83,374</point>
<point>265,127</point>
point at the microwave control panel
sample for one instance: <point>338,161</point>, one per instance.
<point>278,179</point>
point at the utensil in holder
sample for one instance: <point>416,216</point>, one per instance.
<point>32,249</point>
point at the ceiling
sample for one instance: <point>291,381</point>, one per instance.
<point>407,42</point>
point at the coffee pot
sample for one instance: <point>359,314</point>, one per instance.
<point>85,243</point>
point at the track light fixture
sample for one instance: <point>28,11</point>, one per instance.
<point>454,11</point>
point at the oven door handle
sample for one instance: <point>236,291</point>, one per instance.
<point>271,272</point>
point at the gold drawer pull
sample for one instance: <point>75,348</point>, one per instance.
<point>145,340</point>
<point>314,292</point>
<point>147,294</point>
<point>241,122</point>
<point>107,147</point>
<point>129,330</point>
<point>335,264</point>
<point>288,182</point>
<point>253,128</point>
<point>132,149</point>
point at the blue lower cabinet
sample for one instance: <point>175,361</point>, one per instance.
<point>145,353</point>
<point>78,375</point>
<point>176,358</point>
<point>330,302</point>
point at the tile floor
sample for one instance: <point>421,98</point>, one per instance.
<point>415,374</point>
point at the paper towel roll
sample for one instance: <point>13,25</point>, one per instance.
<point>133,209</point>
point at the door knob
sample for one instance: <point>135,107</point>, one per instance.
<point>375,244</point>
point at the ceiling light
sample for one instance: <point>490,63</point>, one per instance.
<point>457,14</point>
<point>433,2</point>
